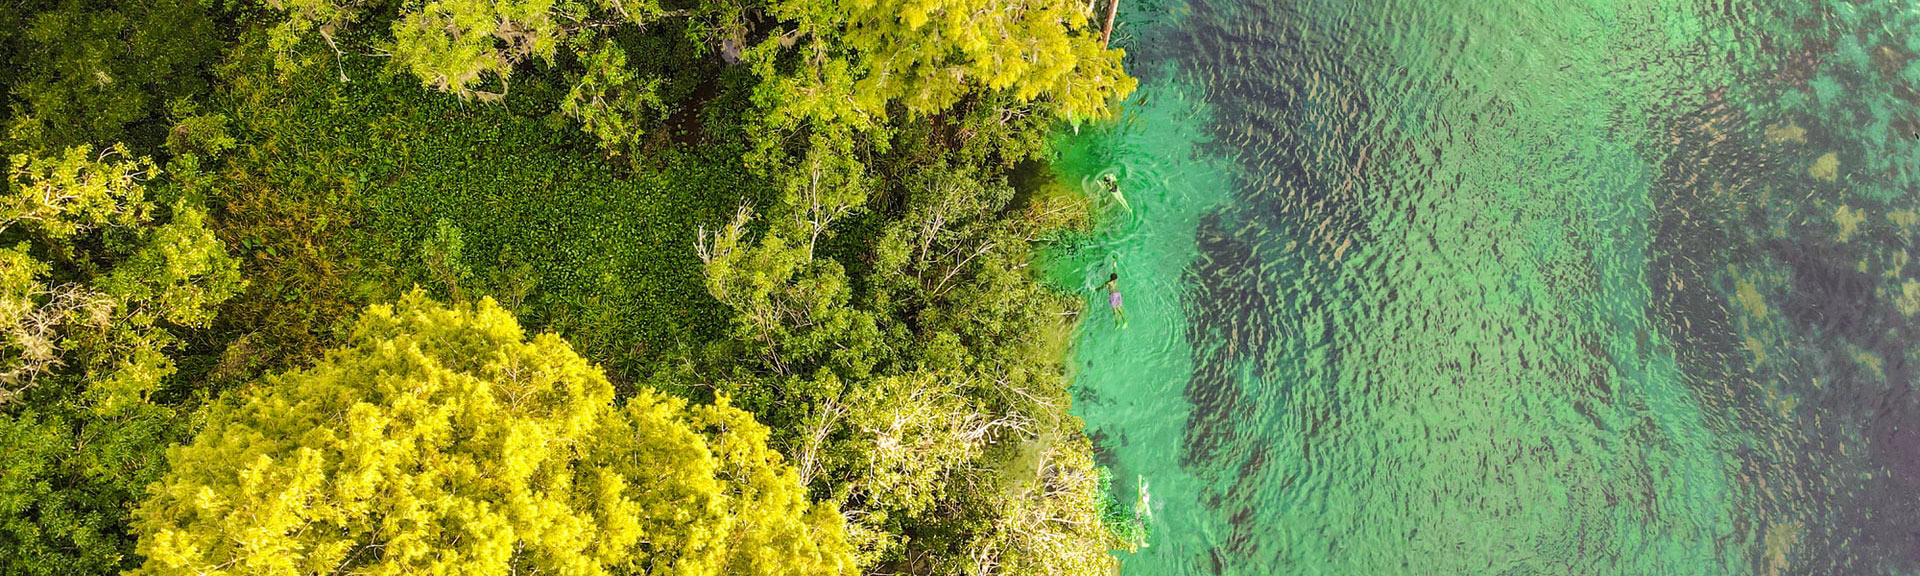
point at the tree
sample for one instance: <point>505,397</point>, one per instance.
<point>1051,514</point>
<point>471,49</point>
<point>886,324</point>
<point>825,65</point>
<point>64,302</point>
<point>94,290</point>
<point>441,440</point>
<point>81,71</point>
<point>839,79</point>
<point>925,395</point>
<point>845,61</point>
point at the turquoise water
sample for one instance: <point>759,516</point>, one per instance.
<point>1510,287</point>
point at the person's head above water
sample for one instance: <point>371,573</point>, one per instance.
<point>1108,177</point>
<point>1112,276</point>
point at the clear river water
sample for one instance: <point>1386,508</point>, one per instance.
<point>1509,287</point>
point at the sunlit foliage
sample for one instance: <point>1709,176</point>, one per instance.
<point>846,61</point>
<point>831,65</point>
<point>96,282</point>
<point>442,440</point>
<point>926,393</point>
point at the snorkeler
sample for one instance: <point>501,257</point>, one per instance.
<point>1113,188</point>
<point>1143,508</point>
<point>1113,297</point>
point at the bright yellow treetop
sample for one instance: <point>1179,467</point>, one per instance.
<point>440,440</point>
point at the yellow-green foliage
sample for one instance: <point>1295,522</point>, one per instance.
<point>827,63</point>
<point>609,98</point>
<point>440,440</point>
<point>453,45</point>
<point>59,195</point>
<point>470,48</point>
<point>1052,515</point>
<point>861,55</point>
<point>926,393</point>
<point>121,274</point>
<point>86,71</point>
<point>97,288</point>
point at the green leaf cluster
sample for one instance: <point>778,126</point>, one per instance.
<point>829,65</point>
<point>336,198</point>
<point>97,285</point>
<point>83,72</point>
<point>919,382</point>
<point>847,61</point>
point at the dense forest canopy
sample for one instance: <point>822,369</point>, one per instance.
<point>264,268</point>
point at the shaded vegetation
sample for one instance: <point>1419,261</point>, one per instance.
<point>386,180</point>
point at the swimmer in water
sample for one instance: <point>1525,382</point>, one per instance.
<point>1113,297</point>
<point>1113,188</point>
<point>1144,507</point>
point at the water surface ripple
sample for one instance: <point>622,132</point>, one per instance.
<point>1512,287</point>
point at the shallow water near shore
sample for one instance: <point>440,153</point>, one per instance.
<point>1510,287</point>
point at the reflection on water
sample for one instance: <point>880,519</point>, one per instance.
<point>1513,287</point>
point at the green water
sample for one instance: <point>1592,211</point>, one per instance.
<point>1511,287</point>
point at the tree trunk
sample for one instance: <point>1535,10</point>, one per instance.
<point>1106,34</point>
